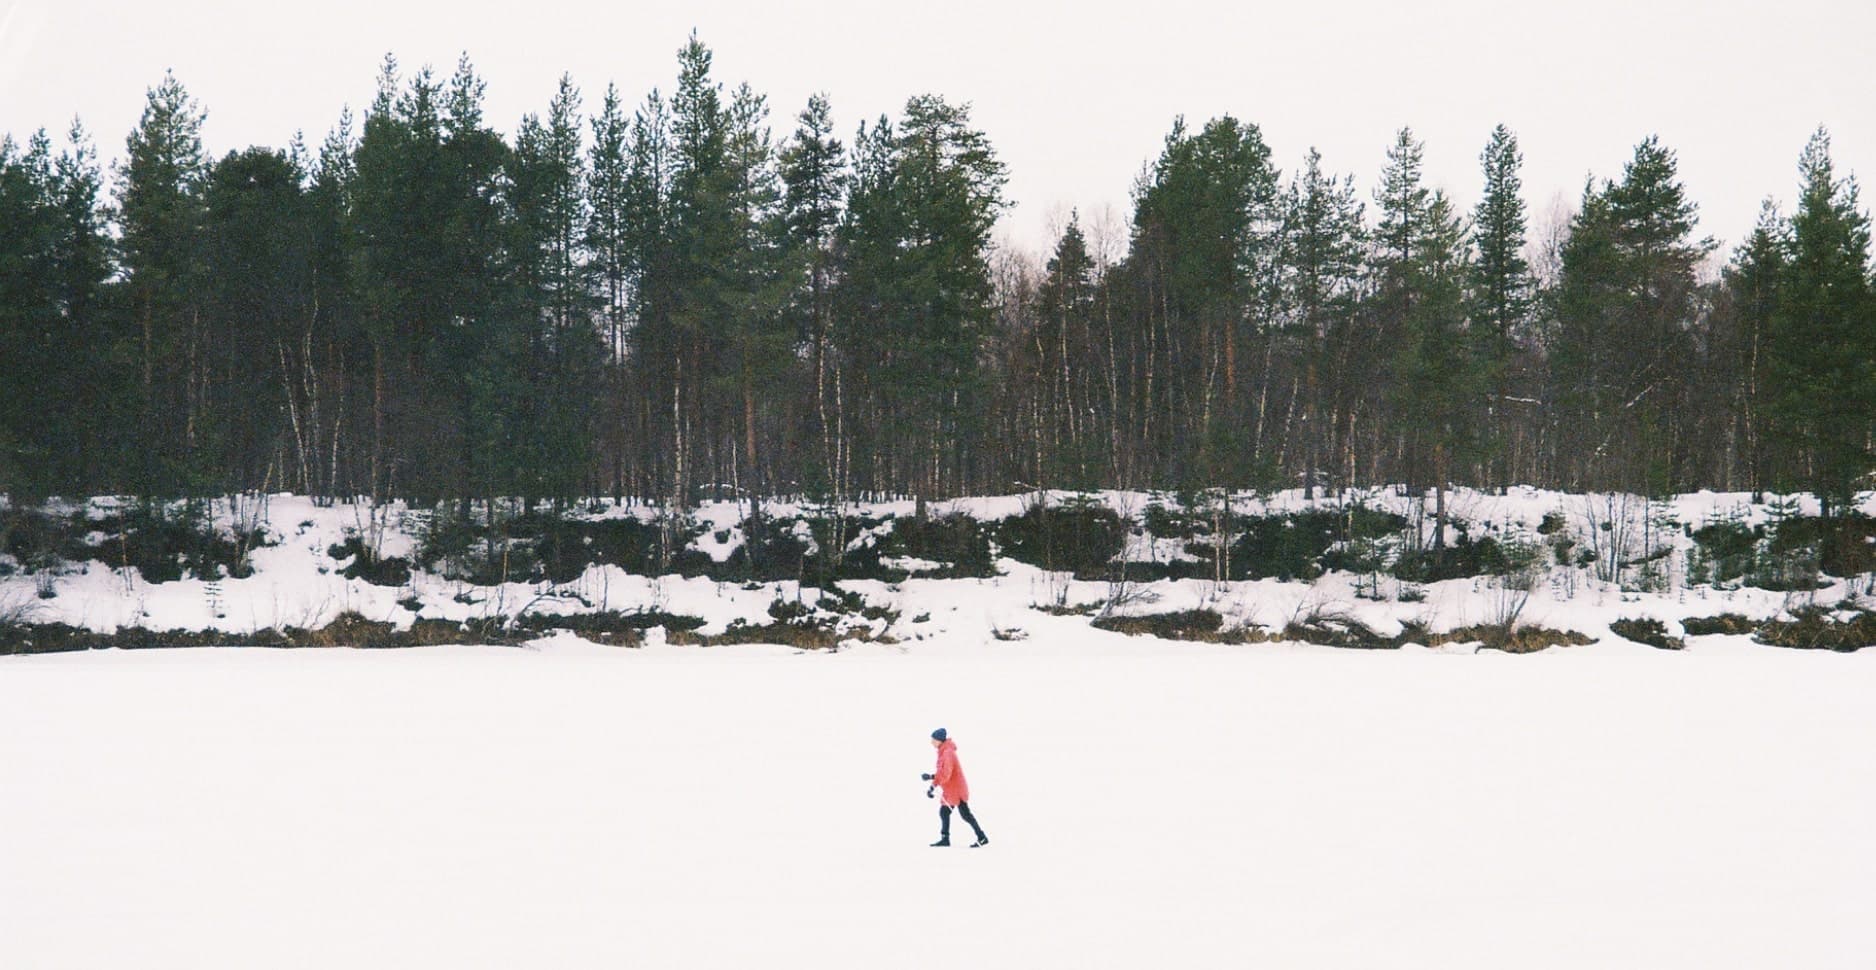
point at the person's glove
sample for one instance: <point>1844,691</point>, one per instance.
<point>924,778</point>
<point>928,791</point>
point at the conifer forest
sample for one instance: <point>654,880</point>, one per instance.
<point>696,293</point>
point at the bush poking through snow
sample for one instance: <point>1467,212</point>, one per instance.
<point>1332,628</point>
<point>1647,630</point>
<point>1521,639</point>
<point>1730,624</point>
<point>1820,628</point>
<point>802,636</point>
<point>346,630</point>
<point>1078,536</point>
<point>958,541</point>
<point>1202,625</point>
<point>620,628</point>
<point>163,542</point>
<point>365,564</point>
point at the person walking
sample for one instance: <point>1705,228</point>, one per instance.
<point>949,778</point>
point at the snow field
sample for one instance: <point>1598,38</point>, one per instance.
<point>1149,804</point>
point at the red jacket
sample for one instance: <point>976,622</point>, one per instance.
<point>949,775</point>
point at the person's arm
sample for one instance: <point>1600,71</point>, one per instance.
<point>947,765</point>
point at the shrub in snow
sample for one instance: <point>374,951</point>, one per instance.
<point>1647,630</point>
<point>1204,625</point>
<point>1078,536</point>
<point>1333,629</point>
<point>1731,624</point>
<point>1514,639</point>
<point>1821,628</point>
<point>625,628</point>
<point>364,563</point>
<point>163,542</point>
<point>1463,558</point>
<point>957,540</point>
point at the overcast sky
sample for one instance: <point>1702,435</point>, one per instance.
<point>1076,95</point>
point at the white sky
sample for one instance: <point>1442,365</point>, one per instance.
<point>1075,95</point>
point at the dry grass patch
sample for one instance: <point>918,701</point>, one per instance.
<point>1821,628</point>
<point>1207,626</point>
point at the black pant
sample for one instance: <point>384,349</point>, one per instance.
<point>944,820</point>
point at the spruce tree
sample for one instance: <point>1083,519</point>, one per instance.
<point>1502,290</point>
<point>814,176</point>
<point>704,239</point>
<point>948,186</point>
<point>868,299</point>
<point>1625,308</point>
<point>1324,240</point>
<point>485,364</point>
<point>329,353</point>
<point>29,310</point>
<point>1752,283</point>
<point>607,242</point>
<point>1064,341</point>
<point>1440,381</point>
<point>257,290</point>
<point>1205,242</point>
<point>1401,200</point>
<point>1823,346</point>
<point>550,223</point>
<point>84,407</point>
<point>160,214</point>
<point>761,340</point>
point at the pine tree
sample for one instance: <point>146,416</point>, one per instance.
<point>1063,339</point>
<point>1440,381</point>
<point>1502,287</point>
<point>29,311</point>
<point>1324,239</point>
<point>550,223</point>
<point>1625,307</point>
<point>868,299</point>
<point>486,360</point>
<point>704,240</point>
<point>761,339</point>
<point>814,174</point>
<point>257,290</point>
<point>1398,275</point>
<point>85,410</point>
<point>1204,243</point>
<point>160,213</point>
<point>320,359</point>
<point>949,192</point>
<point>1752,284</point>
<point>1823,346</point>
<point>607,241</point>
<point>1402,202</point>
<point>1418,332</point>
<point>651,262</point>
<point>392,250</point>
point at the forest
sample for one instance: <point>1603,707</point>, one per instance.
<point>673,300</point>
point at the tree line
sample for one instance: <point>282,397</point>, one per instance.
<point>670,300</point>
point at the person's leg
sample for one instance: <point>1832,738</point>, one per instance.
<point>944,823</point>
<point>964,809</point>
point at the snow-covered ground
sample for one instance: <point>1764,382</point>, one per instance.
<point>297,583</point>
<point>1150,804</point>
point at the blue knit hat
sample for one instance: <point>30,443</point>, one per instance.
<point>938,735</point>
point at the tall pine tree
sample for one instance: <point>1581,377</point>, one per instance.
<point>1502,289</point>
<point>160,213</point>
<point>1823,346</point>
<point>814,176</point>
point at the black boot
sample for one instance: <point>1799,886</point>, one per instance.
<point>982,839</point>
<point>943,840</point>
